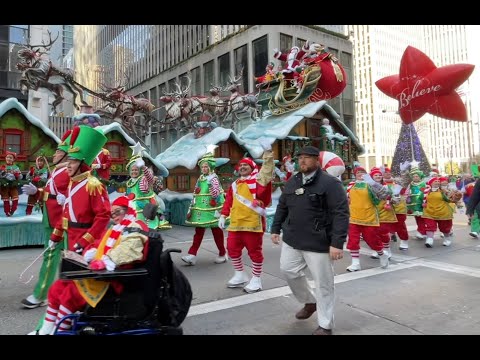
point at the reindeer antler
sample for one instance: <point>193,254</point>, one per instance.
<point>48,46</point>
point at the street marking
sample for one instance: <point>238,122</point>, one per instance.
<point>229,303</point>
<point>458,269</point>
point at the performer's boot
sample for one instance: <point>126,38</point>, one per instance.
<point>355,265</point>
<point>6,207</point>
<point>448,240</point>
<point>14,207</point>
<point>29,209</point>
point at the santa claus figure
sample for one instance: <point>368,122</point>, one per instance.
<point>292,60</point>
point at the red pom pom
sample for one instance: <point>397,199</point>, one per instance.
<point>97,265</point>
<point>36,179</point>
<point>197,190</point>
<point>213,202</point>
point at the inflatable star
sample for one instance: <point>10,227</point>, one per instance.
<point>422,88</point>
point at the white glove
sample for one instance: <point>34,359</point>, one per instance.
<point>275,50</point>
<point>89,254</point>
<point>51,244</point>
<point>140,163</point>
<point>29,189</point>
<point>221,222</point>
<point>368,179</point>
<point>96,166</point>
<point>61,199</point>
<point>405,165</point>
<point>306,46</point>
<point>109,264</point>
<point>10,177</point>
<point>265,143</point>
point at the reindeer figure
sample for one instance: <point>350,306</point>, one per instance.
<point>123,106</point>
<point>215,105</point>
<point>241,103</point>
<point>39,72</point>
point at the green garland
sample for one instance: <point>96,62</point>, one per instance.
<point>15,183</point>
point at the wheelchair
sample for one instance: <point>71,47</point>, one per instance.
<point>155,299</point>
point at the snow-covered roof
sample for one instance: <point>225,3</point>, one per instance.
<point>278,127</point>
<point>13,103</point>
<point>187,150</point>
<point>345,128</point>
<point>115,126</point>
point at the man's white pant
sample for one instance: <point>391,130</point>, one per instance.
<point>293,263</point>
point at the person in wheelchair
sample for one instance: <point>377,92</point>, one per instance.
<point>119,247</point>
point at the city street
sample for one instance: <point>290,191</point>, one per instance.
<point>424,291</point>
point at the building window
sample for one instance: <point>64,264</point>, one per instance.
<point>260,55</point>
<point>171,85</point>
<point>286,42</point>
<point>115,150</point>
<point>13,141</point>
<point>18,36</point>
<point>300,42</point>
<point>196,81</point>
<point>184,82</point>
<point>346,59</point>
<point>182,182</point>
<point>241,62</point>
<point>224,150</point>
<point>208,78</point>
<point>224,69</point>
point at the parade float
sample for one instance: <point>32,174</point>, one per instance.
<point>28,137</point>
<point>289,109</point>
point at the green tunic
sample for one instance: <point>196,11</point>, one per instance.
<point>205,210</point>
<point>143,198</point>
<point>414,207</point>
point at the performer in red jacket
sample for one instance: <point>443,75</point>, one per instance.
<point>102,164</point>
<point>86,212</point>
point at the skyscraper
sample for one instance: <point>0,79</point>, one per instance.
<point>378,50</point>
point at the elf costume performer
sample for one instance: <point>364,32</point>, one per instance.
<point>245,203</point>
<point>437,211</point>
<point>141,184</point>
<point>86,211</point>
<point>400,206</point>
<point>52,197</point>
<point>116,248</point>
<point>102,164</point>
<point>414,198</point>
<point>38,175</point>
<point>364,195</point>
<point>386,213</point>
<point>204,211</point>
<point>9,191</point>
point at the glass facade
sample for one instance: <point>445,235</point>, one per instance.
<point>12,38</point>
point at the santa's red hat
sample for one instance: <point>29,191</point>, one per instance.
<point>435,178</point>
<point>357,169</point>
<point>11,153</point>
<point>249,162</point>
<point>443,178</point>
<point>123,200</point>
<point>375,171</point>
<point>387,170</point>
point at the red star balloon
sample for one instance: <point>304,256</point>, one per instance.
<point>422,88</point>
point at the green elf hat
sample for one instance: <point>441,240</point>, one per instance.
<point>64,144</point>
<point>210,159</point>
<point>417,171</point>
<point>85,143</point>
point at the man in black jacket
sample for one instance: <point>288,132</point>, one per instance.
<point>313,210</point>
